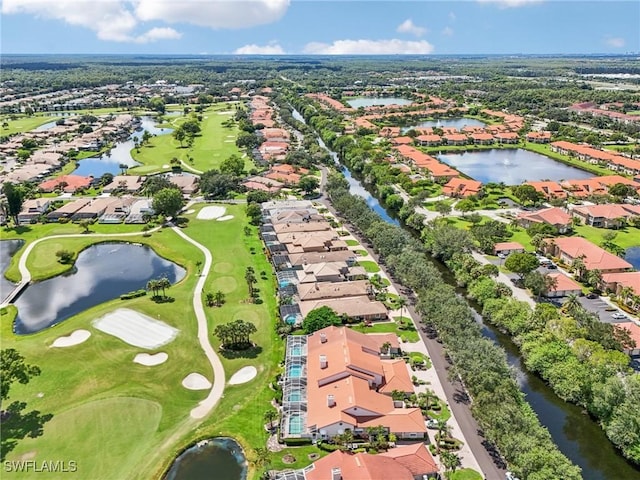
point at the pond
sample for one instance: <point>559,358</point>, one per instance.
<point>632,255</point>
<point>102,272</point>
<point>511,166</point>
<point>120,154</point>
<point>377,101</point>
<point>8,249</point>
<point>456,123</point>
<point>215,459</point>
<point>45,126</point>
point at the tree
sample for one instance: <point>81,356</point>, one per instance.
<point>216,185</point>
<point>269,416</point>
<point>209,299</point>
<point>572,304</point>
<point>14,369</point>
<point>254,213</point>
<point>180,135</point>
<point>320,318</point>
<point>401,302</point>
<point>234,165</point>
<point>526,193</point>
<point>164,283</point>
<point>443,208</point>
<point>157,104</point>
<point>64,256</point>
<point>199,266</point>
<point>539,284</point>
<point>308,184</point>
<point>465,206</point>
<point>450,460</point>
<point>521,263</point>
<point>154,183</point>
<point>153,286</point>
<point>218,298</point>
<point>235,335</point>
<point>167,202</point>
<point>85,223</point>
<point>594,278</point>
<point>619,190</point>
<point>14,200</point>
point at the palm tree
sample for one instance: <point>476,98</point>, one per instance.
<point>269,417</point>
<point>219,298</point>
<point>401,302</point>
<point>578,266</point>
<point>152,285</point>
<point>625,294</point>
<point>450,460</point>
<point>210,299</point>
<point>263,457</point>
<point>164,283</point>
<point>199,266</point>
<point>594,278</point>
<point>572,303</point>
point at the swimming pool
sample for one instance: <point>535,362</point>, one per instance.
<point>296,350</point>
<point>294,396</point>
<point>295,424</point>
<point>295,371</point>
<point>290,319</point>
<point>284,283</point>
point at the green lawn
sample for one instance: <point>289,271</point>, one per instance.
<point>211,147</point>
<point>465,474</point>
<point>129,410</point>
<point>625,238</point>
<point>545,150</point>
<point>141,414</point>
<point>369,266</point>
<point>362,253</point>
<point>409,333</point>
<point>352,243</point>
<point>23,123</point>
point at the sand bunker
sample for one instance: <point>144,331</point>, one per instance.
<point>209,213</point>
<point>75,338</point>
<point>243,375</point>
<point>166,166</point>
<point>224,219</point>
<point>136,329</point>
<point>150,360</point>
<point>228,141</point>
<point>196,381</point>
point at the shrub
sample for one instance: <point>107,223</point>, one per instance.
<point>64,256</point>
<point>293,442</point>
<point>134,294</point>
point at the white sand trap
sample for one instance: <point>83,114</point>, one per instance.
<point>231,136</point>
<point>226,112</point>
<point>166,166</point>
<point>76,338</point>
<point>151,360</point>
<point>224,219</point>
<point>195,381</point>
<point>189,211</point>
<point>209,213</point>
<point>136,329</point>
<point>228,141</point>
<point>243,375</point>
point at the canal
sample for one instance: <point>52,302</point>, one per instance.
<point>579,437</point>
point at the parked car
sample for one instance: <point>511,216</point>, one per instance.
<point>592,295</point>
<point>502,255</point>
<point>432,423</point>
<point>510,476</point>
<point>618,316</point>
<point>552,266</point>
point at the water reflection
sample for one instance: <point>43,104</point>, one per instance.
<point>102,272</point>
<point>8,249</point>
<point>219,459</point>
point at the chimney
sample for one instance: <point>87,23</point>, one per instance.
<point>317,287</point>
<point>331,401</point>
<point>336,473</point>
<point>323,338</point>
<point>323,361</point>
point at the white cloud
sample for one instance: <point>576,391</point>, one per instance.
<point>117,20</point>
<point>223,14</point>
<point>369,47</point>
<point>253,49</point>
<point>158,33</point>
<point>511,3</point>
<point>452,16</point>
<point>447,31</point>
<point>615,42</point>
<point>409,27</point>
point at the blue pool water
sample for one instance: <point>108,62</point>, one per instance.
<point>290,319</point>
<point>284,283</point>
<point>294,396</point>
<point>295,424</point>
<point>296,351</point>
<point>295,371</point>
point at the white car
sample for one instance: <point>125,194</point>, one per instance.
<point>618,316</point>
<point>510,476</point>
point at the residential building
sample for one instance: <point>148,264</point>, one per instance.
<point>554,216</point>
<point>507,248</point>
<point>617,282</point>
<point>188,184</point>
<point>564,286</point>
<point>125,184</point>
<point>68,183</point>
<point>32,209</point>
<point>68,209</point>
<point>569,249</point>
<point>459,187</point>
<point>608,215</point>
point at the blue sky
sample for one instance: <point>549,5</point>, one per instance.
<point>320,26</point>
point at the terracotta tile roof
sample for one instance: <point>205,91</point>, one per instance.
<point>624,279</point>
<point>396,377</point>
<point>609,211</point>
<point>314,291</point>
<point>351,306</point>
<point>507,246</point>
<point>399,420</point>
<point>564,283</point>
<point>361,466</point>
<point>461,186</point>
<point>594,256</point>
<point>553,216</point>
<point>74,182</point>
<point>416,458</point>
<point>548,189</point>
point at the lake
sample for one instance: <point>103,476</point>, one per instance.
<point>102,272</point>
<point>377,101</point>
<point>632,255</point>
<point>120,154</point>
<point>457,123</point>
<point>512,166</point>
<point>215,459</point>
<point>8,249</point>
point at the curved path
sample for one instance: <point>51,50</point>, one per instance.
<point>205,406</point>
